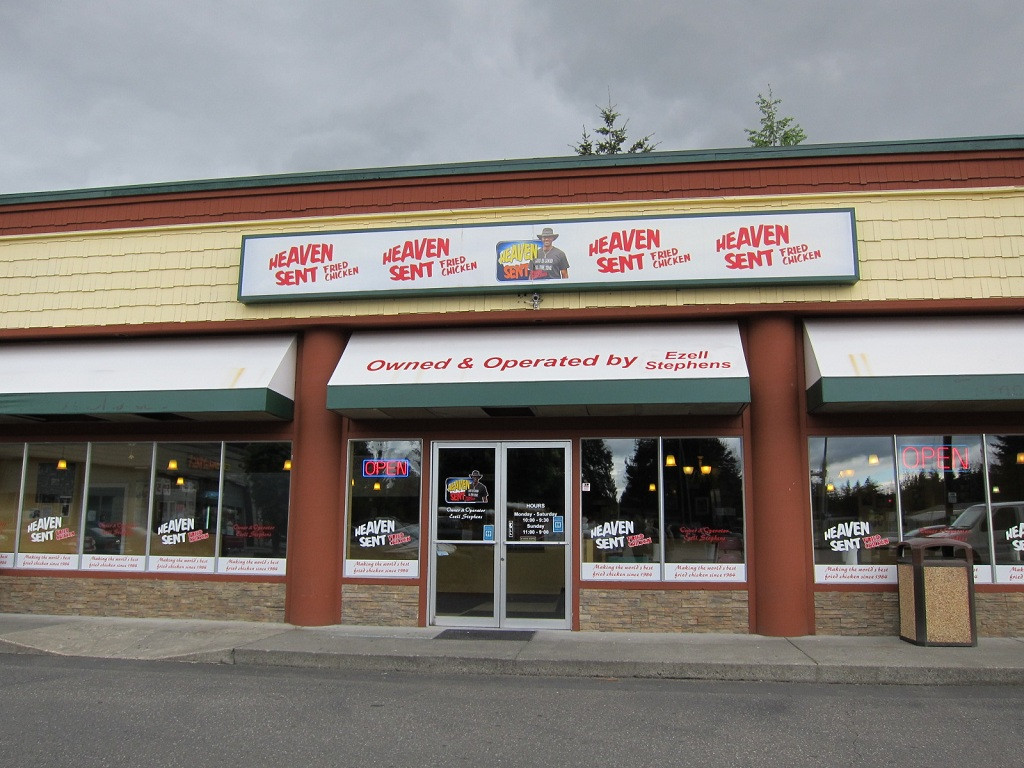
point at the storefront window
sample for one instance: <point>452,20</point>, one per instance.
<point>165,498</point>
<point>117,506</point>
<point>254,513</point>
<point>964,487</point>
<point>383,534</point>
<point>853,503</point>
<point>703,496</point>
<point>667,509</point>
<point>11,462</point>
<point>1006,486</point>
<point>621,518</point>
<point>942,492</point>
<point>185,507</point>
<point>52,506</point>
<point>940,477</point>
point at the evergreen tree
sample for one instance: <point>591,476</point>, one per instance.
<point>611,138</point>
<point>775,131</point>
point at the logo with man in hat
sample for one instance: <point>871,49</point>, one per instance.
<point>466,490</point>
<point>551,262</point>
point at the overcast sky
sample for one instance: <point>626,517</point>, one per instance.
<point>118,92</point>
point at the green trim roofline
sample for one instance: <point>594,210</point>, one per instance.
<point>852,149</point>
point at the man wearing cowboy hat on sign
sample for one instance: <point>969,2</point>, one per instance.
<point>477,491</point>
<point>551,262</point>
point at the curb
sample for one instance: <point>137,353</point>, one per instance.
<point>809,672</point>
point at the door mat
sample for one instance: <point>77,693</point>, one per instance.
<point>486,634</point>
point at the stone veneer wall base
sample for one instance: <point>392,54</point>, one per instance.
<point>999,614</point>
<point>655,610</point>
<point>382,605</point>
<point>143,598</point>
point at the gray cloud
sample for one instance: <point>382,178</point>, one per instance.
<point>121,92</point>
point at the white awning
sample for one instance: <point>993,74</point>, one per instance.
<point>203,379</point>
<point>547,371</point>
<point>915,364</point>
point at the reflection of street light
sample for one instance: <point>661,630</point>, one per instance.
<point>670,460</point>
<point>705,469</point>
<point>873,458</point>
<point>652,487</point>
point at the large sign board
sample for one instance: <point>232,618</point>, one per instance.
<point>799,247</point>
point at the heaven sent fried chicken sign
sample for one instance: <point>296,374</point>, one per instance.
<point>604,254</point>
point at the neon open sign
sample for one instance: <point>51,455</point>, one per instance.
<point>944,457</point>
<point>385,467</point>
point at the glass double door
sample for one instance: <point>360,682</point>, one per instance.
<point>499,533</point>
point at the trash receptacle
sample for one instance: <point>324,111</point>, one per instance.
<point>936,589</point>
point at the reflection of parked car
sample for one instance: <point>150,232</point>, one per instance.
<point>972,527</point>
<point>937,518</point>
<point>104,542</point>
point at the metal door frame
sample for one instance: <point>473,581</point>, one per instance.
<point>500,544</point>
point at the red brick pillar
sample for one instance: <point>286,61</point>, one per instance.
<point>313,596</point>
<point>779,515</point>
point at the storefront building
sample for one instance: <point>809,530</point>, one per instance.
<point>676,392</point>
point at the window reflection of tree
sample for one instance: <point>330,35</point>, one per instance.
<point>537,475</point>
<point>934,495</point>
<point>266,489</point>
<point>695,504</point>
<point>635,502</point>
<point>703,508</point>
<point>871,498</point>
<point>597,465</point>
<point>1005,472</point>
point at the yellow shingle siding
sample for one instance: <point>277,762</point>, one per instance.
<point>914,246</point>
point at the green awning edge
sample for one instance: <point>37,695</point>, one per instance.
<point>207,401</point>
<point>735,391</point>
<point>953,389</point>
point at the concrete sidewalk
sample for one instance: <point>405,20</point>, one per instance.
<point>549,653</point>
